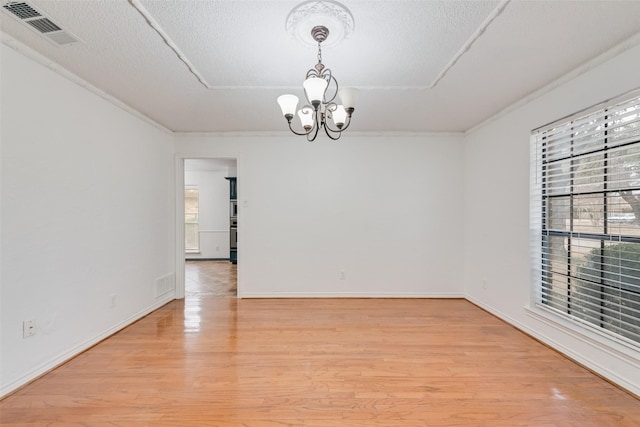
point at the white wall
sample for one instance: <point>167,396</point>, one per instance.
<point>385,210</point>
<point>496,220</point>
<point>88,200</point>
<point>87,218</point>
<point>213,190</point>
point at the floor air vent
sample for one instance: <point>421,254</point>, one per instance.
<point>41,23</point>
<point>164,285</point>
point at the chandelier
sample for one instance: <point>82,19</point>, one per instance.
<point>321,90</point>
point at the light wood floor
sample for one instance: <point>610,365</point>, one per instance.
<point>210,278</point>
<point>220,361</point>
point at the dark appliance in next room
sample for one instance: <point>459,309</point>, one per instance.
<point>233,240</point>
<point>233,220</point>
<point>233,209</point>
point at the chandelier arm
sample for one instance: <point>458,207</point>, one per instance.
<point>330,107</point>
<point>329,79</point>
<point>326,125</point>
<point>346,125</point>
<point>299,133</point>
<point>334,131</point>
<point>315,134</point>
<point>328,131</point>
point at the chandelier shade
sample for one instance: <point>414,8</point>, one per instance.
<point>339,116</point>
<point>314,89</point>
<point>288,104</point>
<point>306,117</point>
<point>349,97</point>
<point>320,90</point>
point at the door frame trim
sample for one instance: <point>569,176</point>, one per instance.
<point>179,221</point>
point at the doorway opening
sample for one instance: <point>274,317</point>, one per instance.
<point>208,244</point>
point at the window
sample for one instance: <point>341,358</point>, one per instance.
<point>585,214</point>
<point>191,217</point>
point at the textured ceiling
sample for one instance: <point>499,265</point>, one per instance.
<point>421,65</point>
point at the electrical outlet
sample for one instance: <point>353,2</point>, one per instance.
<point>28,328</point>
<point>114,299</point>
<point>343,275</point>
<point>484,284</point>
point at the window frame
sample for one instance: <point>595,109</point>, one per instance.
<point>541,232</point>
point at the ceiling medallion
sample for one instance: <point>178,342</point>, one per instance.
<point>330,14</point>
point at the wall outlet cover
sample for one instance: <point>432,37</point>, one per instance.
<point>28,328</point>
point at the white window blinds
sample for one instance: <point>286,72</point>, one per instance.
<point>585,218</point>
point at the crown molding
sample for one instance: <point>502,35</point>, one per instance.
<point>629,43</point>
<point>285,134</point>
<point>30,53</point>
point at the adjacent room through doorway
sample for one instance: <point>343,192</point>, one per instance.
<point>210,278</point>
<point>210,227</point>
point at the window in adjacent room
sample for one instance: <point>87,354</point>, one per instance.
<point>191,218</point>
<point>586,218</point>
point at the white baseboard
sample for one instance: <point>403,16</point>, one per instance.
<point>74,351</point>
<point>349,295</point>
<point>582,359</point>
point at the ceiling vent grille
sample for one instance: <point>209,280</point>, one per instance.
<point>22,10</point>
<point>44,25</point>
<point>27,14</point>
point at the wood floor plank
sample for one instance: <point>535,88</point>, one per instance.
<point>211,361</point>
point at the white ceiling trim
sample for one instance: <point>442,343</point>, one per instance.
<point>165,37</point>
<point>485,55</point>
<point>21,48</point>
<point>286,134</point>
<point>150,20</point>
<point>239,87</point>
<point>474,37</point>
<point>16,45</point>
<point>631,42</point>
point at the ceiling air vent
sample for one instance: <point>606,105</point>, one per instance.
<point>21,10</point>
<point>43,25</point>
<point>27,14</point>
